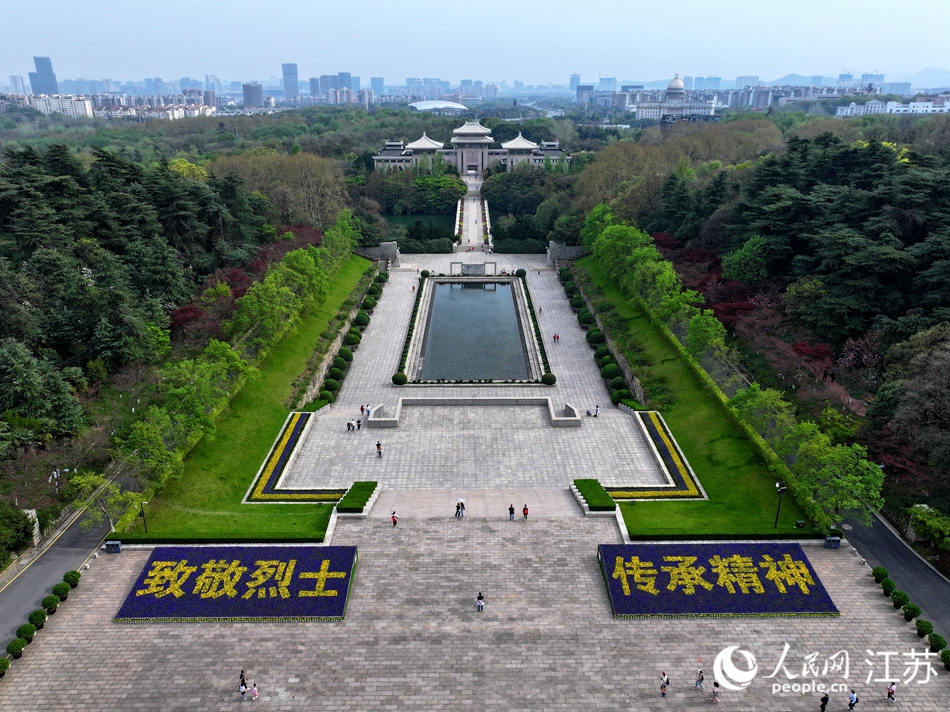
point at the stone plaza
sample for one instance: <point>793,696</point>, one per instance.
<point>412,638</point>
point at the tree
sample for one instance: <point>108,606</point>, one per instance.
<point>704,332</point>
<point>108,499</point>
<point>747,264</point>
<point>845,484</point>
<point>770,415</point>
<point>599,218</point>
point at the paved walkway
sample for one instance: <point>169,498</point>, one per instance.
<point>473,235</point>
<point>413,640</point>
<point>481,504</point>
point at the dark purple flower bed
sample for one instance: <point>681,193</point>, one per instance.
<point>241,583</point>
<point>723,579</point>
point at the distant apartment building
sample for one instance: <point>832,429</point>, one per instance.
<point>253,94</point>
<point>377,85</point>
<point>17,85</point>
<point>43,80</point>
<point>607,84</point>
<point>914,108</point>
<point>354,83</point>
<point>66,104</point>
<point>689,83</point>
<point>845,80</point>
<point>291,88</point>
<point>873,79</point>
<point>314,86</point>
<point>899,88</point>
<point>364,97</point>
<point>747,81</point>
<point>582,93</point>
<point>572,83</point>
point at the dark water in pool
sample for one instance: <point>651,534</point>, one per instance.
<point>473,334</point>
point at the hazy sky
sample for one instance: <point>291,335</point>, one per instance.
<point>536,41</point>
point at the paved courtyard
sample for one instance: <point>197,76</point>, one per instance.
<point>412,639</point>
<point>479,446</point>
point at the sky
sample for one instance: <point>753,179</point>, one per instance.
<point>534,41</point>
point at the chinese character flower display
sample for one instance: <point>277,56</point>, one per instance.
<point>721,579</point>
<point>242,583</point>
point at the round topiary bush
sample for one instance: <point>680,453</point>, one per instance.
<point>51,603</point>
<point>900,599</point>
<point>617,383</point>
<point>37,618</point>
<point>332,385</point>
<point>374,289</point>
<point>327,396</point>
<point>564,274</point>
<point>611,370</point>
<point>400,378</point>
<point>361,318</point>
<point>595,337</point>
<point>888,587</point>
<point>336,374</point>
<point>345,354</point>
<point>424,273</point>
<point>945,657</point>
<point>549,379</point>
<point>911,611</point>
<point>61,590</point>
<point>26,631</point>
<point>339,363</point>
<point>4,666</point>
<point>72,578</point>
<point>577,303</point>
<point>924,628</point>
<point>585,317</point>
<point>617,397</point>
<point>937,642</point>
<point>15,647</point>
<point>879,573</point>
<point>570,288</point>
<point>351,339</point>
<point>369,303</point>
<point>606,361</point>
<point>601,352</point>
<point>520,273</point>
<point>382,277</point>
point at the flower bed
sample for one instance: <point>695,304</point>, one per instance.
<point>712,580</point>
<point>265,487</point>
<point>241,583</point>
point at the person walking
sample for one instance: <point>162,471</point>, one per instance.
<point>462,509</point>
<point>243,690</point>
<point>663,687</point>
<point>243,679</point>
<point>254,692</point>
<point>480,602</point>
<point>359,423</point>
<point>596,410</point>
<point>395,518</point>
<point>511,512</point>
<point>362,410</point>
<point>379,449</point>
<point>852,700</point>
<point>665,679</point>
<point>699,680</point>
<point>715,694</point>
<point>824,702</point>
<point>890,690</point>
<point>525,512</point>
<point>458,510</point>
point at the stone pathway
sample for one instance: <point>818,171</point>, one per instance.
<point>413,640</point>
<point>481,504</point>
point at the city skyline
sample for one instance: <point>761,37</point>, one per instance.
<point>629,42</point>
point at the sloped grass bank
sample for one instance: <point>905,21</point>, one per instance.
<point>205,502</point>
<point>742,496</point>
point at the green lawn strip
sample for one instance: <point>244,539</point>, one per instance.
<point>595,495</point>
<point>741,489</point>
<point>205,502</point>
<point>356,497</point>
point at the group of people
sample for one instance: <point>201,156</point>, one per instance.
<point>243,688</point>
<point>354,424</point>
<point>556,337</point>
<point>595,413</point>
<point>511,512</point>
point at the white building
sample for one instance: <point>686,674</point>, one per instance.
<point>675,105</point>
<point>872,107</point>
<point>914,108</point>
<point>65,104</point>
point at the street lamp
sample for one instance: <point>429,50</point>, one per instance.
<point>142,515</point>
<point>780,488</point>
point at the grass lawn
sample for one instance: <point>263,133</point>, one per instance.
<point>742,498</point>
<point>205,502</point>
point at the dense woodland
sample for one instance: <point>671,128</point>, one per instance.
<point>822,246</point>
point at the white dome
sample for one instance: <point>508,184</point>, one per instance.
<point>675,83</point>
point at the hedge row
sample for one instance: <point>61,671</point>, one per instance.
<point>902,602</point>
<point>596,496</point>
<point>37,619</point>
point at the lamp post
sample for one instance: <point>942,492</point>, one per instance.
<point>780,488</point>
<point>142,514</point>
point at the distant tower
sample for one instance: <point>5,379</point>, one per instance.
<point>291,88</point>
<point>574,81</point>
<point>377,85</point>
<point>253,94</point>
<point>17,84</point>
<point>43,80</point>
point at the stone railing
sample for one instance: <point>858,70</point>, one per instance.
<point>570,419</point>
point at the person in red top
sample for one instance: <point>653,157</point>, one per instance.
<point>525,512</point>
<point>395,519</point>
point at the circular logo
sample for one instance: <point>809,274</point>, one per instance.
<point>731,677</point>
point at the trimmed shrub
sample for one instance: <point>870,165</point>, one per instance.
<point>911,611</point>
<point>520,273</point>
<point>888,586</point>
<point>26,631</point>
<point>51,603</point>
<point>361,319</point>
<point>336,374</point>
<point>585,317</point>
<point>595,337</point>
<point>382,277</point>
<point>549,379</point>
<point>601,352</point>
<point>617,383</point>
<point>611,370</point>
<point>424,273</point>
<point>352,339</point>
<point>900,599</point>
<point>4,666</point>
<point>619,396</point>
<point>15,647</point>
<point>355,332</point>
<point>570,288</point>
<point>937,642</point>
<point>339,363</point>
<point>577,303</point>
<point>879,573</point>
<point>37,618</point>
<point>606,361</point>
<point>564,275</point>
<point>400,378</point>
<point>327,396</point>
<point>72,578</point>
<point>596,496</point>
<point>369,303</point>
<point>924,628</point>
<point>345,354</point>
<point>945,657</point>
<point>331,385</point>
<point>374,290</point>
<point>356,497</point>
<point>61,590</point>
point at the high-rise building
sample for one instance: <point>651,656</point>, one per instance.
<point>354,84</point>
<point>314,86</point>
<point>607,84</point>
<point>344,80</point>
<point>749,81</point>
<point>17,85</point>
<point>573,82</point>
<point>689,83</point>
<point>377,85</point>
<point>874,79</point>
<point>699,83</point>
<point>291,89</point>
<point>845,80</point>
<point>712,83</point>
<point>253,94</point>
<point>43,80</point>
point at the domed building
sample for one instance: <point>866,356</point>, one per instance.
<point>676,105</point>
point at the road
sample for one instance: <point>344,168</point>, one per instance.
<point>882,547</point>
<point>67,552</point>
